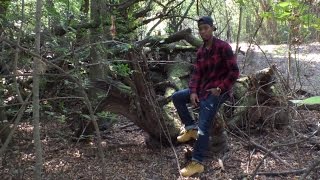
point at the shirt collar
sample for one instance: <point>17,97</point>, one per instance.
<point>213,43</point>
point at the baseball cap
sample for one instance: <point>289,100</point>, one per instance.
<point>205,20</point>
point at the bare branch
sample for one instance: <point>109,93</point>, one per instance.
<point>124,5</point>
<point>312,167</point>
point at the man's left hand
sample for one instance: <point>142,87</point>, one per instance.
<point>215,91</point>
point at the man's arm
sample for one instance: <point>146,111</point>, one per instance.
<point>233,69</point>
<point>195,77</point>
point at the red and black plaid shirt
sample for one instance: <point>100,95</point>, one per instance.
<point>215,67</point>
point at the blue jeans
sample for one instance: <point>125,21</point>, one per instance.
<point>208,109</point>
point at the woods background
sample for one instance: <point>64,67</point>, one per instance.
<point>89,72</point>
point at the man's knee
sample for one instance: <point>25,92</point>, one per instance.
<point>175,96</point>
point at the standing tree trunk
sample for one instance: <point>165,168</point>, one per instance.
<point>3,9</point>
<point>35,90</point>
<point>239,29</point>
<point>96,69</point>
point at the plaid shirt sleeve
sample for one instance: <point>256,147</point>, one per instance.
<point>195,77</point>
<point>233,69</point>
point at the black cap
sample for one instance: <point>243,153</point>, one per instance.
<point>205,20</point>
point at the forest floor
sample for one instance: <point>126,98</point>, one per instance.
<point>127,156</point>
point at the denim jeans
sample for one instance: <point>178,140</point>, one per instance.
<point>208,109</point>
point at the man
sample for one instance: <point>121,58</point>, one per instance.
<point>215,71</point>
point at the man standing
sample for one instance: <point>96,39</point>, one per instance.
<point>215,71</point>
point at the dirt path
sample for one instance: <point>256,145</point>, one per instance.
<point>305,69</point>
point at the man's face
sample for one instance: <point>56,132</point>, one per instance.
<point>205,31</point>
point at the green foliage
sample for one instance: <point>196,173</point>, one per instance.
<point>240,2</point>
<point>309,101</point>
<point>107,116</point>
<point>122,69</point>
<point>102,117</point>
<point>294,10</point>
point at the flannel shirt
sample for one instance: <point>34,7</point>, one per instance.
<point>214,67</point>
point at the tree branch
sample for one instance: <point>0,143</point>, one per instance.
<point>124,5</point>
<point>181,35</point>
<point>270,152</point>
<point>312,167</point>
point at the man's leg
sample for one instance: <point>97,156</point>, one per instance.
<point>180,100</point>
<point>208,109</point>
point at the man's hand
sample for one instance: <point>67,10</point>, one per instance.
<point>194,99</point>
<point>215,91</point>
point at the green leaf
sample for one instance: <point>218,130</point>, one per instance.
<point>284,4</point>
<point>312,100</point>
<point>284,15</point>
<point>309,101</point>
<point>266,14</point>
<point>241,2</point>
<point>87,117</point>
<point>296,101</point>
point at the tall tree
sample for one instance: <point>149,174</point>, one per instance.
<point>35,91</point>
<point>96,70</point>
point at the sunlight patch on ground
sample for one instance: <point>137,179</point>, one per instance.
<point>75,153</point>
<point>56,165</point>
<point>25,127</point>
<point>27,157</point>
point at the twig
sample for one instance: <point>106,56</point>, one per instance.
<point>239,29</point>
<point>126,126</point>
<point>281,173</point>
<point>16,55</point>
<point>265,156</point>
<point>280,76</point>
<point>15,124</point>
<point>83,92</point>
<point>310,168</point>
<point>184,15</point>
<point>251,42</point>
<point>47,99</point>
<point>270,152</point>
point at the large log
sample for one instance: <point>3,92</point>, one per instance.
<point>140,102</point>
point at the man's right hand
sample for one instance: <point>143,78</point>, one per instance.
<point>194,99</point>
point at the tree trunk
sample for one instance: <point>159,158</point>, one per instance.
<point>35,91</point>
<point>96,69</point>
<point>239,29</point>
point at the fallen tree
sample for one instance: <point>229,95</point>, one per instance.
<point>144,96</point>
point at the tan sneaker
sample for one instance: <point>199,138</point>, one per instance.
<point>191,169</point>
<point>187,135</point>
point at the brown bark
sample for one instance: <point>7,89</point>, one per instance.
<point>139,103</point>
<point>96,70</point>
<point>35,96</point>
<point>185,34</point>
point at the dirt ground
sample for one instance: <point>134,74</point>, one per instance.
<point>127,156</point>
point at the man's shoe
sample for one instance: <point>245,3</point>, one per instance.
<point>192,168</point>
<point>187,135</point>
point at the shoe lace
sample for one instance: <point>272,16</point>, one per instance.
<point>183,131</point>
<point>192,164</point>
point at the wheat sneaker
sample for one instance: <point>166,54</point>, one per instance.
<point>192,168</point>
<point>188,135</point>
